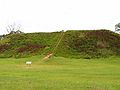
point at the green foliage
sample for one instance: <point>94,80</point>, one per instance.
<point>95,44</point>
<point>76,44</point>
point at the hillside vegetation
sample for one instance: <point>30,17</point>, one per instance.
<point>77,44</point>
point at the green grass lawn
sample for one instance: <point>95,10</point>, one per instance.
<point>60,74</point>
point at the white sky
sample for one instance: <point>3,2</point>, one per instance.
<point>56,15</point>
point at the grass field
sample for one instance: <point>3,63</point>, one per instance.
<point>60,74</point>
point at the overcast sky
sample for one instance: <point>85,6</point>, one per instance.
<point>56,15</point>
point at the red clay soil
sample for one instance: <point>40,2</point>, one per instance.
<point>3,48</point>
<point>30,48</point>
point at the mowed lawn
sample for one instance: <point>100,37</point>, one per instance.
<point>60,73</point>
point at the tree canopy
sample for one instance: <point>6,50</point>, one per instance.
<point>117,27</point>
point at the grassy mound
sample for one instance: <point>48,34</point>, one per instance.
<point>77,44</point>
<point>90,44</point>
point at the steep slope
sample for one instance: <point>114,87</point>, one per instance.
<point>77,44</point>
<point>96,43</point>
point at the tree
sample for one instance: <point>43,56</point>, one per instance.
<point>117,27</point>
<point>14,29</point>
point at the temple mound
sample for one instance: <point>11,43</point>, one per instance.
<point>74,44</point>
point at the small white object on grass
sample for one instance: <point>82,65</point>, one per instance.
<point>28,63</point>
